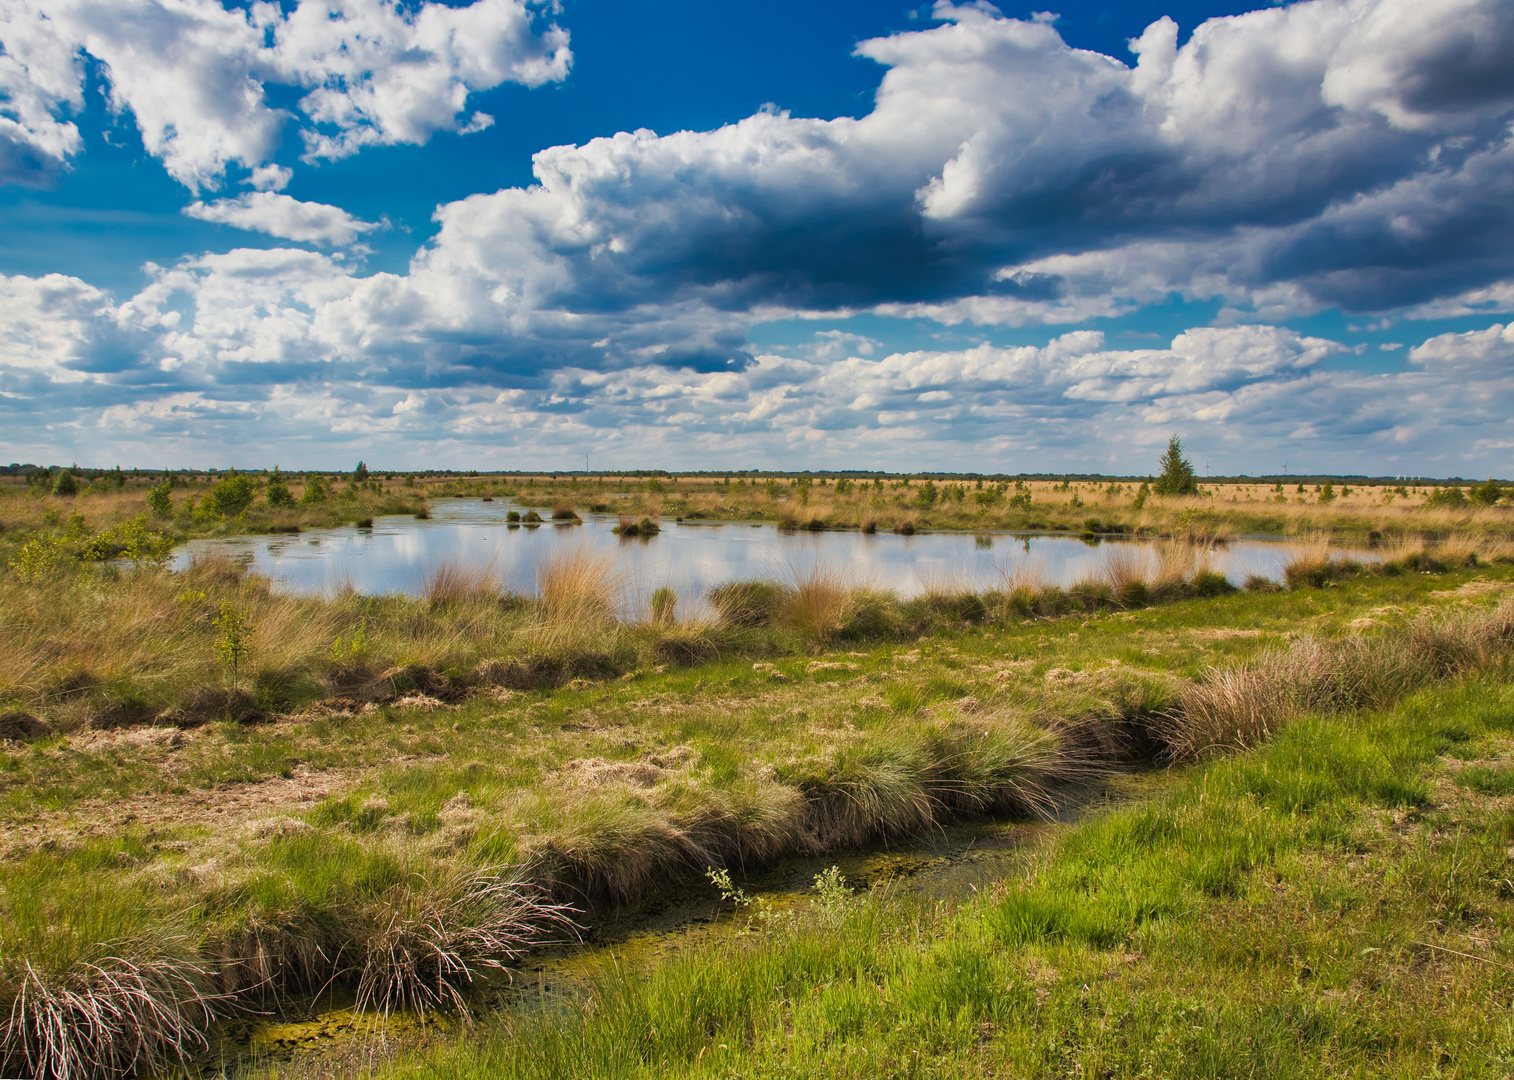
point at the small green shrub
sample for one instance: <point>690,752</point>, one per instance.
<point>278,493</point>
<point>228,497</point>
<point>1487,493</point>
<point>316,489</point>
<point>160,500</point>
<point>233,642</point>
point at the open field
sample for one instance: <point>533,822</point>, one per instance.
<point>894,503</point>
<point>400,793</point>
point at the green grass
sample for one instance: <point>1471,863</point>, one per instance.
<point>1296,912</point>
<point>608,791</point>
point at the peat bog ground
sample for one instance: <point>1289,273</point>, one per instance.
<point>225,804</point>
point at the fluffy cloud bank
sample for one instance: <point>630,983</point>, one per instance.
<point>1351,153</point>
<point>193,74</point>
<point>1072,404</point>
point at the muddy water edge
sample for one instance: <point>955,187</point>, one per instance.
<point>326,1037</point>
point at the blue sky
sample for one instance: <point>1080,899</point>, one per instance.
<point>862,235</point>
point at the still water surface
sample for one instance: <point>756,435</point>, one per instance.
<point>395,555</point>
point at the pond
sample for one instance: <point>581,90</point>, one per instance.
<point>396,553</point>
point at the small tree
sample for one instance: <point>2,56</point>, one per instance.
<point>360,474</point>
<point>233,645</point>
<point>316,488</point>
<point>1177,472</point>
<point>67,484</point>
<point>278,491</point>
<point>160,501</point>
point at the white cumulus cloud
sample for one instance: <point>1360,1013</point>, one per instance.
<point>284,217</point>
<point>193,74</point>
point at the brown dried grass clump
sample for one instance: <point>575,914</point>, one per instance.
<point>1312,563</point>
<point>423,942</point>
<point>817,602</point>
<point>577,587</point>
<point>1128,570</point>
<point>1238,708</point>
<point>448,584</point>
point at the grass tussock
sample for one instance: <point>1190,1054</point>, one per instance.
<point>451,583</point>
<point>1240,707</point>
<point>424,942</point>
<point>124,1012</point>
<point>616,846</point>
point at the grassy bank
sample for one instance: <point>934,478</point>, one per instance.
<point>1335,903</point>
<point>394,844</point>
<point>94,646</point>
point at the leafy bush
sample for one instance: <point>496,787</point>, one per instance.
<point>1487,493</point>
<point>160,499</point>
<point>316,489</point>
<point>39,558</point>
<point>278,492</point>
<point>135,541</point>
<point>230,495</point>
<point>1447,498</point>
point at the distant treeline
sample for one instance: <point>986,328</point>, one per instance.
<point>1356,479</point>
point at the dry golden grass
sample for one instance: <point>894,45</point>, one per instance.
<point>818,601</point>
<point>449,583</point>
<point>1238,708</point>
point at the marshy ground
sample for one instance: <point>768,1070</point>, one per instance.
<point>400,796</point>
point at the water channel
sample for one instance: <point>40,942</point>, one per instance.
<point>395,554</point>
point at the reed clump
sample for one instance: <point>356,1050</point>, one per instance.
<point>630,528</point>
<point>449,584</point>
